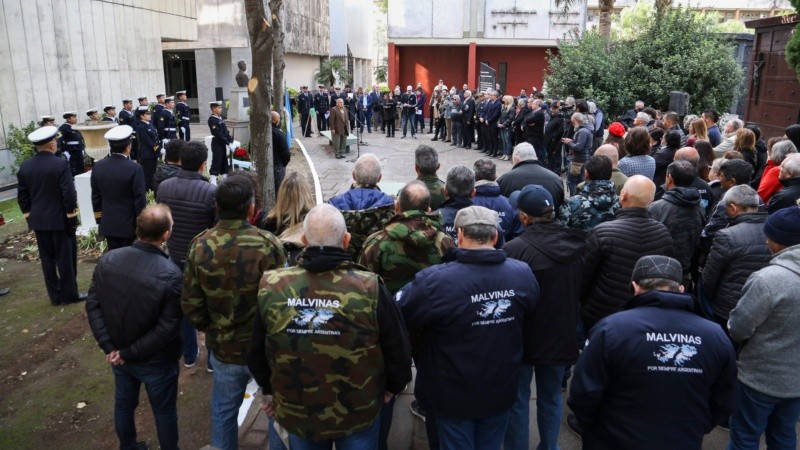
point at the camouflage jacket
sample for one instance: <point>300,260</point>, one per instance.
<point>594,204</point>
<point>410,242</point>
<point>435,187</point>
<point>220,284</point>
<point>333,343</point>
<point>362,223</point>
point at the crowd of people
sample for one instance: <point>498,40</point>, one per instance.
<point>663,280</point>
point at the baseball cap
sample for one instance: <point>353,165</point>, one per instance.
<point>533,200</point>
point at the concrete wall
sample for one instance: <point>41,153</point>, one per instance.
<point>61,55</point>
<point>300,70</point>
<point>351,24</point>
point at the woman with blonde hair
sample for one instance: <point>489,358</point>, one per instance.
<point>507,115</point>
<point>745,144</point>
<point>697,131</point>
<point>293,203</point>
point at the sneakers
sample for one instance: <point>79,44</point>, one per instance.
<point>417,410</point>
<point>189,363</point>
<point>573,424</point>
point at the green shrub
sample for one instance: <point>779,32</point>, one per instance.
<point>19,145</point>
<point>677,53</point>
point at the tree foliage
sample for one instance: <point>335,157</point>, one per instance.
<point>329,71</point>
<point>676,53</point>
<point>19,145</point>
<point>793,46</point>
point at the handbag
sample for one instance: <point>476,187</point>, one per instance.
<point>575,168</point>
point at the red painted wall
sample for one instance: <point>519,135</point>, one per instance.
<point>526,65</point>
<point>428,64</point>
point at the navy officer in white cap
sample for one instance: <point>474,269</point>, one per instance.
<point>110,113</point>
<point>149,146</point>
<point>221,140</point>
<point>126,117</point>
<point>167,125</point>
<point>47,198</point>
<point>92,115</point>
<point>47,121</point>
<point>183,114</point>
<point>118,190</point>
<point>71,143</point>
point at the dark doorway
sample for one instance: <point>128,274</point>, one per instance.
<point>180,74</point>
<point>502,74</point>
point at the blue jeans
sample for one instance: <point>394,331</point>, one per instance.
<point>409,119</point>
<point>548,408</point>
<point>275,442</point>
<point>227,394</point>
<point>161,383</point>
<point>363,440</point>
<point>188,332</point>
<point>478,434</point>
<point>759,413</point>
<point>505,133</point>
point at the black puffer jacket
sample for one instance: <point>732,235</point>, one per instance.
<point>532,171</point>
<point>737,252</point>
<point>191,199</point>
<point>612,249</point>
<point>786,197</point>
<point>134,304</point>
<point>680,211</point>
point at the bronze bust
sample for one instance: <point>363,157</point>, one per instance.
<point>241,77</point>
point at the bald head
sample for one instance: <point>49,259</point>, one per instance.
<point>414,196</point>
<point>276,117</point>
<point>610,152</point>
<point>638,192</point>
<point>687,154</point>
<point>154,224</point>
<point>324,227</point>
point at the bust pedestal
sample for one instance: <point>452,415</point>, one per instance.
<point>238,120</point>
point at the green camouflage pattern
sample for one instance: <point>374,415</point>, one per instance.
<point>322,344</point>
<point>410,242</point>
<point>435,187</point>
<point>596,202</point>
<point>220,284</point>
<point>362,223</point>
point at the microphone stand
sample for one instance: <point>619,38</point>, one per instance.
<point>359,134</point>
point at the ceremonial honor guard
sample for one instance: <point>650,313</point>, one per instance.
<point>111,113</point>
<point>222,139</point>
<point>47,121</point>
<point>322,103</point>
<point>167,125</point>
<point>70,144</point>
<point>183,114</point>
<point>143,101</point>
<point>47,198</point>
<point>118,192</point>
<point>157,111</point>
<point>126,117</point>
<point>148,145</point>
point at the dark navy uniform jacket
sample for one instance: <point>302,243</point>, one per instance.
<point>471,310</point>
<point>167,125</point>
<point>656,376</point>
<point>118,195</point>
<point>304,103</point>
<point>126,118</point>
<point>322,103</point>
<point>148,141</point>
<point>219,131</point>
<point>184,114</point>
<point>154,117</point>
<point>46,193</point>
<point>71,140</point>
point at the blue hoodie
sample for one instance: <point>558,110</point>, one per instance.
<point>655,376</point>
<point>359,198</point>
<point>488,195</point>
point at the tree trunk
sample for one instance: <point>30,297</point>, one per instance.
<point>278,51</point>
<point>259,89</point>
<point>661,8</point>
<point>606,9</point>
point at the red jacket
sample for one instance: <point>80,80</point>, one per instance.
<point>769,181</point>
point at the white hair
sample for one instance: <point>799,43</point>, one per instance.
<point>367,171</point>
<point>643,116</point>
<point>524,152</point>
<point>324,226</point>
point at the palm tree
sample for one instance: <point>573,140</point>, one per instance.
<point>606,9</point>
<point>329,71</point>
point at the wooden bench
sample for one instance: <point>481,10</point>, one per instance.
<point>351,139</point>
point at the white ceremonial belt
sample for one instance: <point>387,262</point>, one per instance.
<point>170,129</point>
<point>73,142</point>
<point>185,118</point>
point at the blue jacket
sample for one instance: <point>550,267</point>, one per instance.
<point>655,376</point>
<point>451,207</point>
<point>358,198</point>
<point>488,195</point>
<point>581,145</point>
<point>493,109</point>
<point>470,310</point>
